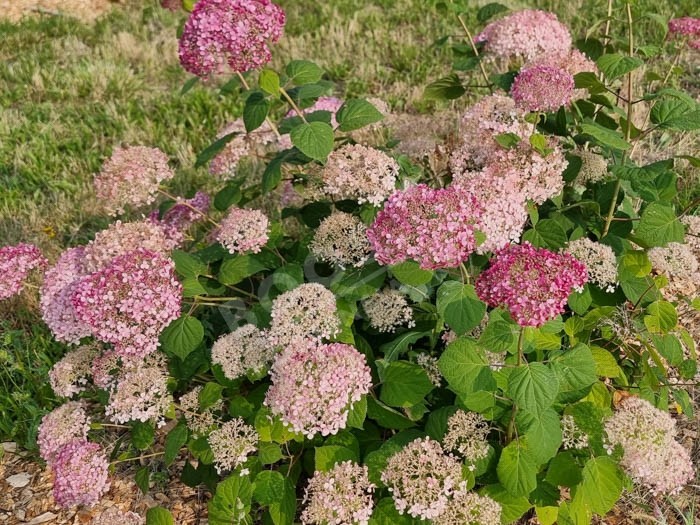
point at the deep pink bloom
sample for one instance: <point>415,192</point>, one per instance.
<point>687,26</point>
<point>533,284</point>
<point>81,474</point>
<point>15,264</point>
<point>229,34</point>
<point>543,88</point>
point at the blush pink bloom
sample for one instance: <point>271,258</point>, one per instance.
<point>244,230</point>
<point>229,35</point>
<point>574,62</point>
<point>81,474</point>
<point>543,88</point>
<point>533,284</point>
<point>59,427</point>
<point>15,264</point>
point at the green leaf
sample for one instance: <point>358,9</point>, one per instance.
<point>269,487</point>
<point>676,114</point>
<point>188,85</point>
<point>487,12</point>
<point>174,441</point>
<point>182,336</point>
<point>447,88</point>
<point>512,507</point>
<point>575,371</point>
<point>460,306</point>
<point>303,72</point>
<point>188,265</point>
<point>387,417</point>
<point>231,502</point>
<point>385,513</point>
<point>501,334</point>
<point>507,140</point>
<point>465,367</point>
<point>358,413</point>
<point>634,265</point>
<point>601,486</point>
<point>159,516</point>
<point>669,347</point>
<point>405,384</point>
<point>234,270</point>
<point>210,395</point>
<point>329,456</point>
<point>228,196</point>
<point>269,453</point>
<point>533,387</point>
<point>313,139</point>
<point>589,80</point>
<point>411,273</point>
<point>357,113</point>
<point>269,81</point>
<point>400,345</point>
<point>543,433</point>
<point>516,469</point>
<point>661,317</point>
<point>255,111</point>
<point>604,136</point>
<point>614,65</point>
<point>658,226</point>
<point>143,479</point>
<point>283,513</point>
<point>547,233</point>
<point>605,363</point>
<point>563,470</point>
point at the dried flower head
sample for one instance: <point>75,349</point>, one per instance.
<point>70,374</point>
<point>80,474</point>
<point>232,443</point>
<point>15,264</point>
<point>314,385</point>
<point>429,363</point>
<point>59,427</point>
<point>674,260</point>
<point>114,516</point>
<point>357,172</point>
<point>341,239</point>
<point>342,496</point>
<point>594,168</point>
<point>543,88</point>
<point>599,259</point>
<point>244,230</point>
<point>422,478</point>
<point>223,35</point>
<point>466,435</point>
<point>388,309</point>
<point>199,421</point>
<point>572,437</point>
<point>532,283</point>
<point>130,177</point>
<point>468,508</point>
<point>246,350</point>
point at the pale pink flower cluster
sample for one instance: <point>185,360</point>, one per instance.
<point>60,281</point>
<point>71,373</point>
<point>594,168</point>
<point>532,283</point>
<point>466,435</point>
<point>599,259</point>
<point>106,367</point>
<point>422,478</point>
<point>307,311</point>
<point>81,474</point>
<point>61,426</point>
<point>543,88</point>
<point>686,26</point>
<point>131,177</point>
<point>434,227</point>
<point>314,385</point>
<point>223,35</point>
<point>429,364</point>
<point>182,216</point>
<point>651,455</point>
<point>244,230</point>
<point>525,35</point>
<point>114,516</point>
<point>246,350</point>
<point>388,309</point>
<point>341,239</point>
<point>199,421</point>
<point>342,496</point>
<point>674,260</point>
<point>123,237</point>
<point>232,443</point>
<point>242,145</point>
<point>572,437</point>
<point>130,302</point>
<point>469,508</point>
<point>361,173</point>
<point>15,264</point>
<point>573,62</point>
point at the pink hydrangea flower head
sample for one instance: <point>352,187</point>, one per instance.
<point>543,88</point>
<point>130,177</point>
<point>81,474</point>
<point>434,227</point>
<point>59,427</point>
<point>229,35</point>
<point>532,283</point>
<point>684,26</point>
<point>129,302</point>
<point>105,369</point>
<point>573,63</point>
<point>244,230</point>
<point>15,264</point>
<point>315,385</point>
<point>70,375</point>
<point>524,35</point>
<point>232,443</point>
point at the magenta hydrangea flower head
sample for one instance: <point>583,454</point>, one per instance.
<point>59,427</point>
<point>233,35</point>
<point>574,62</point>
<point>15,264</point>
<point>244,230</point>
<point>434,227</point>
<point>81,474</point>
<point>686,26</point>
<point>543,88</point>
<point>524,35</point>
<point>314,385</point>
<point>533,284</point>
<point>130,177</point>
<point>130,301</point>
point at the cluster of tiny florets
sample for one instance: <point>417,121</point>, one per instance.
<point>15,264</point>
<point>245,350</point>
<point>342,496</point>
<point>429,363</point>
<point>315,385</point>
<point>229,35</point>
<point>543,88</point>
<point>388,309</point>
<point>466,435</point>
<point>434,227</point>
<point>244,230</point>
<point>232,443</point>
<point>199,421</point>
<point>422,478</point>
<point>686,26</point>
<point>81,474</point>
<point>594,167</point>
<point>573,62</point>
<point>181,216</point>
<point>241,145</point>
<point>532,283</point>
<point>61,426</point>
<point>360,173</point>
<point>114,516</point>
<point>572,437</point>
<point>469,508</point>
<point>69,376</point>
<point>105,368</point>
<point>525,35</point>
<point>674,260</point>
<point>307,311</point>
<point>131,177</point>
<point>651,455</point>
<point>341,239</point>
<point>599,259</point>
<point>130,301</point>
<point>56,303</point>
